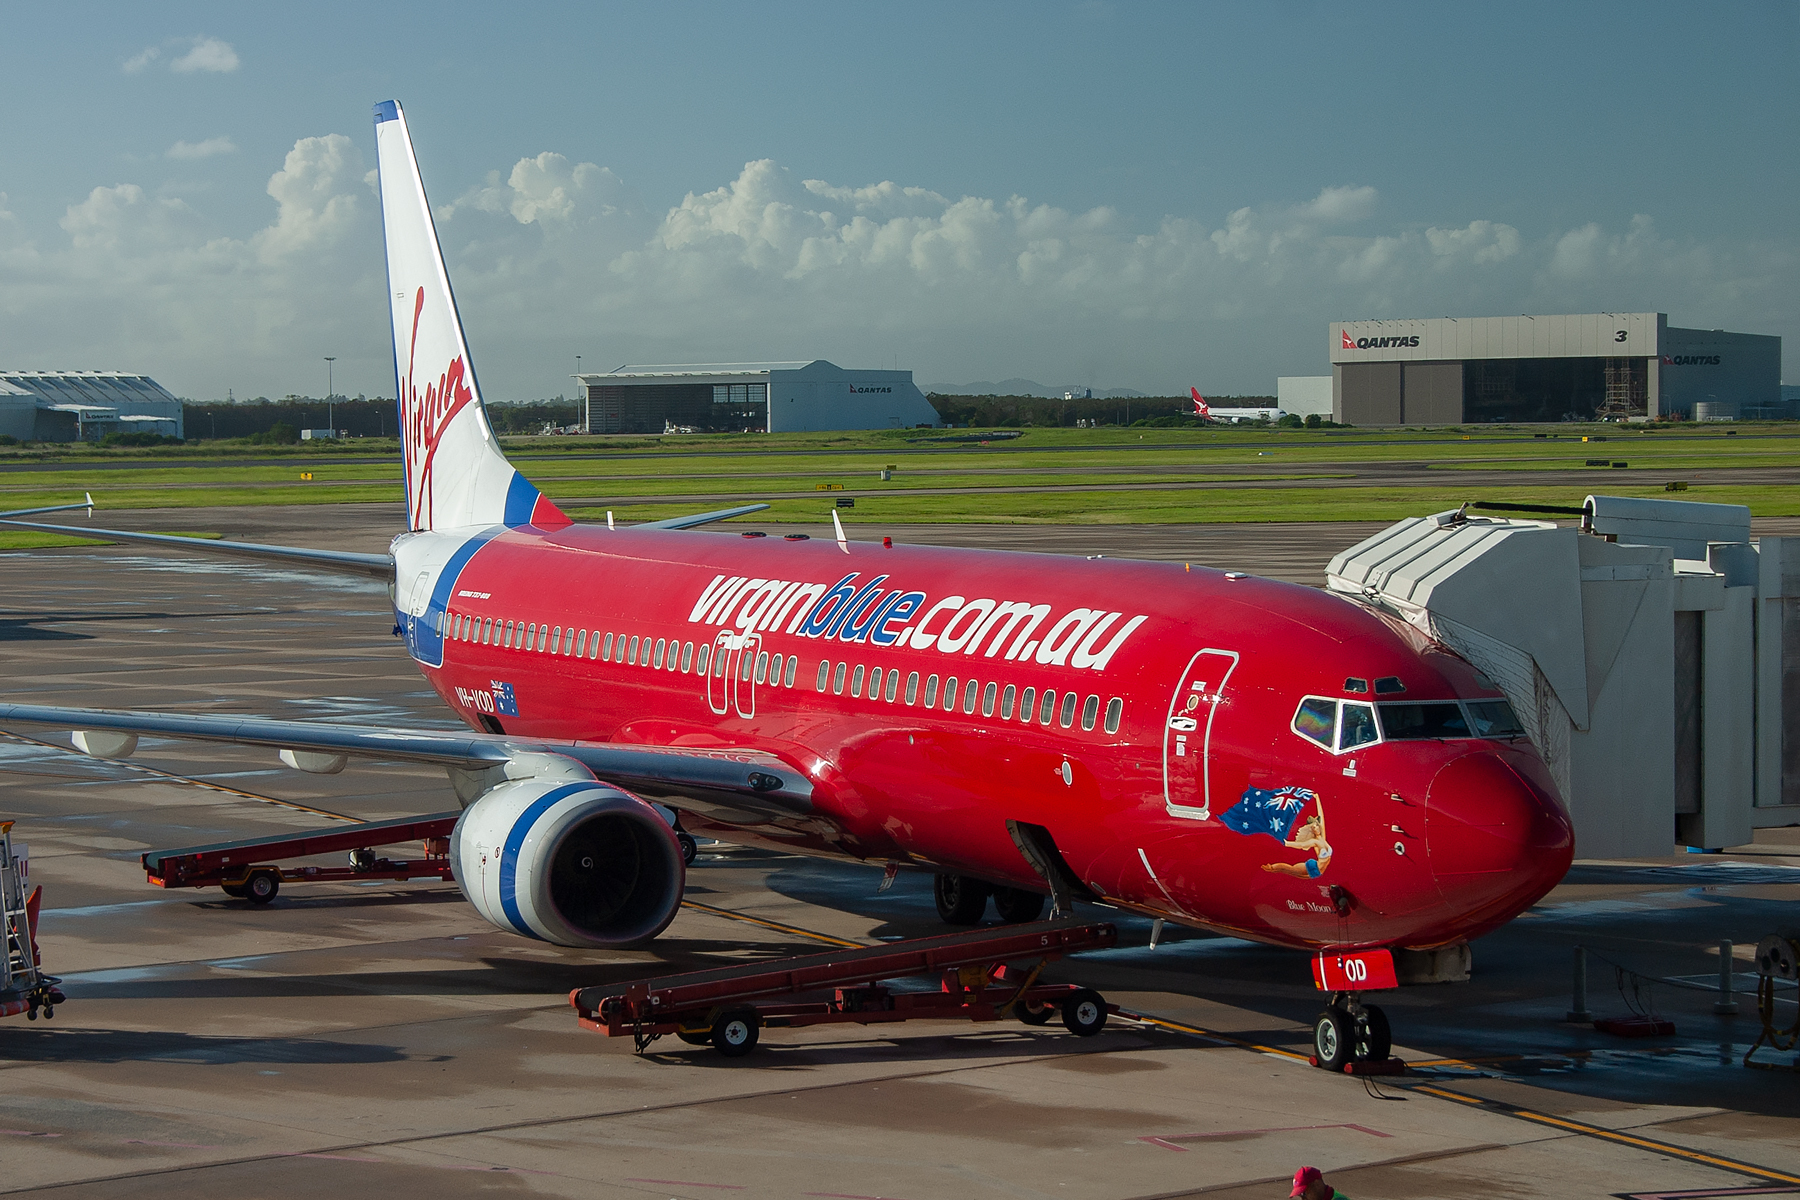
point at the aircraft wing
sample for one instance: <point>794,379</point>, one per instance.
<point>376,566</point>
<point>705,518</point>
<point>739,786</point>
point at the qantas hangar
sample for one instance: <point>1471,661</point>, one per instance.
<point>1592,366</point>
<point>772,397</point>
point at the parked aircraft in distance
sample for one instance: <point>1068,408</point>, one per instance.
<point>1237,754</point>
<point>1207,412</point>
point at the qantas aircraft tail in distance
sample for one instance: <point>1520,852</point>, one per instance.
<point>1262,759</point>
<point>1207,412</point>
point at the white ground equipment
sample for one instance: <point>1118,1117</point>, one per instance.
<point>24,988</point>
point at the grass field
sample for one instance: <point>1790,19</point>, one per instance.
<point>1045,476</point>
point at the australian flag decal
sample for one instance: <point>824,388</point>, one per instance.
<point>1264,811</point>
<point>505,702</point>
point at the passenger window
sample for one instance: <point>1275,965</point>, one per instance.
<point>581,645</point>
<point>746,664</point>
<point>787,680</point>
<point>824,672</point>
<point>530,635</point>
<point>1006,702</point>
<point>837,680</point>
<point>556,639</point>
<point>1439,719</point>
<point>487,630</point>
<point>1494,719</point>
<point>1115,708</point>
<point>1357,726</point>
<point>931,690</point>
<point>762,666</point>
<point>1317,720</point>
<point>1068,710</point>
<point>950,693</point>
<point>1090,712</point>
<point>893,685</point>
<point>856,679</point>
<point>700,657</point>
<point>506,636</point>
<point>634,652</point>
<point>987,699</point>
<point>1047,709</point>
<point>969,696</point>
<point>606,652</point>
<point>687,657</point>
<point>912,688</point>
<point>1026,703</point>
<point>661,645</point>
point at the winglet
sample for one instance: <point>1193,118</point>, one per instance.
<point>842,541</point>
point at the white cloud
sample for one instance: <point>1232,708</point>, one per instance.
<point>205,149</point>
<point>553,257</point>
<point>197,53</point>
<point>207,54</point>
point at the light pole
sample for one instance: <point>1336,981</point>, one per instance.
<point>330,390</point>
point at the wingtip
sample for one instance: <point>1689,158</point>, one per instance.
<point>387,110</point>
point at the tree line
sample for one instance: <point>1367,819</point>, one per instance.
<point>281,421</point>
<point>991,411</point>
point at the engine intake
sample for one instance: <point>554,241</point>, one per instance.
<point>573,863</point>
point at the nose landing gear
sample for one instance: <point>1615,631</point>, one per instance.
<point>1351,1032</point>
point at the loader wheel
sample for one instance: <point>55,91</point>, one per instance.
<point>734,1034</point>
<point>1084,1012</point>
<point>261,887</point>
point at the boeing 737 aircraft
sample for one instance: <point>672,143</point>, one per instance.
<point>1232,753</point>
<point>1207,412</point>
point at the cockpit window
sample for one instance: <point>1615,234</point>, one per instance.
<point>1494,719</point>
<point>1430,719</point>
<point>1357,726</point>
<point>1317,719</point>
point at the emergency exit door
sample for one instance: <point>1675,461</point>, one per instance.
<point>1187,734</point>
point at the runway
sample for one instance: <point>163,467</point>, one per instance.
<point>381,1039</point>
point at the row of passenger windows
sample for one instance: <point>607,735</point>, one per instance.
<point>1046,708</point>
<point>662,654</point>
<point>1346,724</point>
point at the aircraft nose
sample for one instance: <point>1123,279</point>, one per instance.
<point>1495,837</point>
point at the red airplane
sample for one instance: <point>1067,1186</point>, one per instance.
<point>1258,758</point>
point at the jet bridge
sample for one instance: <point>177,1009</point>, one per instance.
<point>1650,654</point>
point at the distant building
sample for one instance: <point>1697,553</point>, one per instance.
<point>1619,366</point>
<point>779,397</point>
<point>1304,395</point>
<point>84,406</point>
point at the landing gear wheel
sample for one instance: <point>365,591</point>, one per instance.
<point>234,890</point>
<point>690,849</point>
<point>1084,1012</point>
<point>701,1037</point>
<point>261,887</point>
<point>734,1034</point>
<point>1374,1040</point>
<point>1333,1039</point>
<point>1034,1012</point>
<point>1016,905</point>
<point>960,900</point>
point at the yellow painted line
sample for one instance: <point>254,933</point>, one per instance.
<point>1431,1091</point>
<point>777,926</point>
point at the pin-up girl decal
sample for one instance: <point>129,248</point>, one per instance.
<point>1276,813</point>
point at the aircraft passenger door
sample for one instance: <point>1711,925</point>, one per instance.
<point>1187,734</point>
<point>743,679</point>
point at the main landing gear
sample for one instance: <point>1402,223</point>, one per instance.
<point>1350,1032</point>
<point>963,901</point>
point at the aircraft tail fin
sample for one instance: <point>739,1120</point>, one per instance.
<point>456,473</point>
<point>1200,405</point>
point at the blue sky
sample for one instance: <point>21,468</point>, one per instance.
<point>1118,195</point>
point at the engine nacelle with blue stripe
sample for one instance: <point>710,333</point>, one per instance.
<point>576,863</point>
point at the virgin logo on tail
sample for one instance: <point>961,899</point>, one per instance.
<point>1349,342</point>
<point>424,418</point>
<point>1200,406</point>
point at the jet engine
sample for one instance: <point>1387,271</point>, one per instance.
<point>576,863</point>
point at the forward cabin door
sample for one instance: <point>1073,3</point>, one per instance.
<point>1187,734</point>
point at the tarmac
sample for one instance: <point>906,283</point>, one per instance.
<point>381,1039</point>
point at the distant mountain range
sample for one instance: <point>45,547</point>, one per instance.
<point>1028,387</point>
